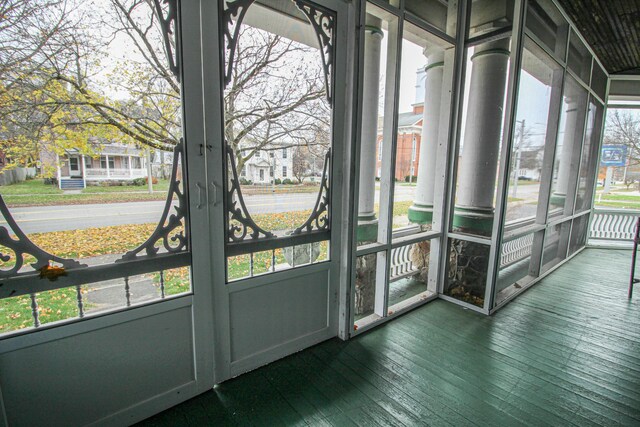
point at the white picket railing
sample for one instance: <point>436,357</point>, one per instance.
<point>115,173</point>
<point>401,265</point>
<point>516,249</point>
<point>613,227</point>
<point>512,252</point>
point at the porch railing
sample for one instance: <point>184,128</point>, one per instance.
<point>401,264</point>
<point>512,252</point>
<point>516,250</point>
<point>613,227</point>
<point>100,173</point>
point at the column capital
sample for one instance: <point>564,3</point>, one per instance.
<point>433,53</point>
<point>496,47</point>
<point>373,25</point>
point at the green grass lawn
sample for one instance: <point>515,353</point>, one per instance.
<point>624,197</point>
<point>279,189</point>
<point>79,199</point>
<point>35,193</point>
<point>59,304</point>
<point>618,204</point>
<point>30,187</point>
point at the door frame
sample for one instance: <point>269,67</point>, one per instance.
<point>224,294</point>
<point>168,345</point>
<point>77,172</point>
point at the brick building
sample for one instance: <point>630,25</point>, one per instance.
<point>408,146</point>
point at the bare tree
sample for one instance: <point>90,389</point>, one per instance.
<point>27,28</point>
<point>623,128</point>
<point>300,164</point>
<point>276,98</point>
<point>79,87</point>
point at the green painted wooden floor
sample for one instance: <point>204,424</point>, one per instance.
<point>566,352</point>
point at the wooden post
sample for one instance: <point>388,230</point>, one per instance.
<point>636,239</point>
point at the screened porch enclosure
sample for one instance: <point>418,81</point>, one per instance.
<point>533,364</point>
<point>254,178</point>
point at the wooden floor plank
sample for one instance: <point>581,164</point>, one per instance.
<point>565,352</point>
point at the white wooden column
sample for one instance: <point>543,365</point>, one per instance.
<point>421,211</point>
<point>483,132</point>
<point>130,168</point>
<point>107,162</point>
<point>564,172</point>
<point>367,222</point>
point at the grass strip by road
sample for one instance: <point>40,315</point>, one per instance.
<point>15,201</point>
<point>36,193</point>
<point>624,197</point>
<point>29,187</point>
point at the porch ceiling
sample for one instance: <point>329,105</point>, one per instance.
<point>612,29</point>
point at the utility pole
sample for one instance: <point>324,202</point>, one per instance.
<point>607,180</point>
<point>273,172</point>
<point>517,168</point>
<point>149,171</point>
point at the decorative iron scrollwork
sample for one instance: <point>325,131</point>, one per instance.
<point>21,246</point>
<point>323,22</point>
<point>236,9</point>
<point>320,218</point>
<point>173,239</point>
<point>166,20</point>
<point>239,222</point>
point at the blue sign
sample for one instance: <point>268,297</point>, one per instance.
<point>613,155</point>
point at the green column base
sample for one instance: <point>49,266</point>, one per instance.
<point>420,214</point>
<point>367,231</point>
<point>475,221</point>
<point>557,199</point>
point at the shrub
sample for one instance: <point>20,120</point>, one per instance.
<point>140,181</point>
<point>287,181</point>
<point>244,181</point>
<point>278,181</point>
<point>408,177</point>
<point>154,180</point>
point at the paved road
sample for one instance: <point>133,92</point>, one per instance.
<point>39,219</point>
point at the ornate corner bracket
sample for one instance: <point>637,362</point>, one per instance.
<point>166,20</point>
<point>323,22</point>
<point>173,240</point>
<point>320,218</point>
<point>21,246</point>
<point>235,10</point>
<point>239,221</point>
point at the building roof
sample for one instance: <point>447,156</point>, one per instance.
<point>259,161</point>
<point>408,119</point>
<point>114,149</point>
<point>117,149</point>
